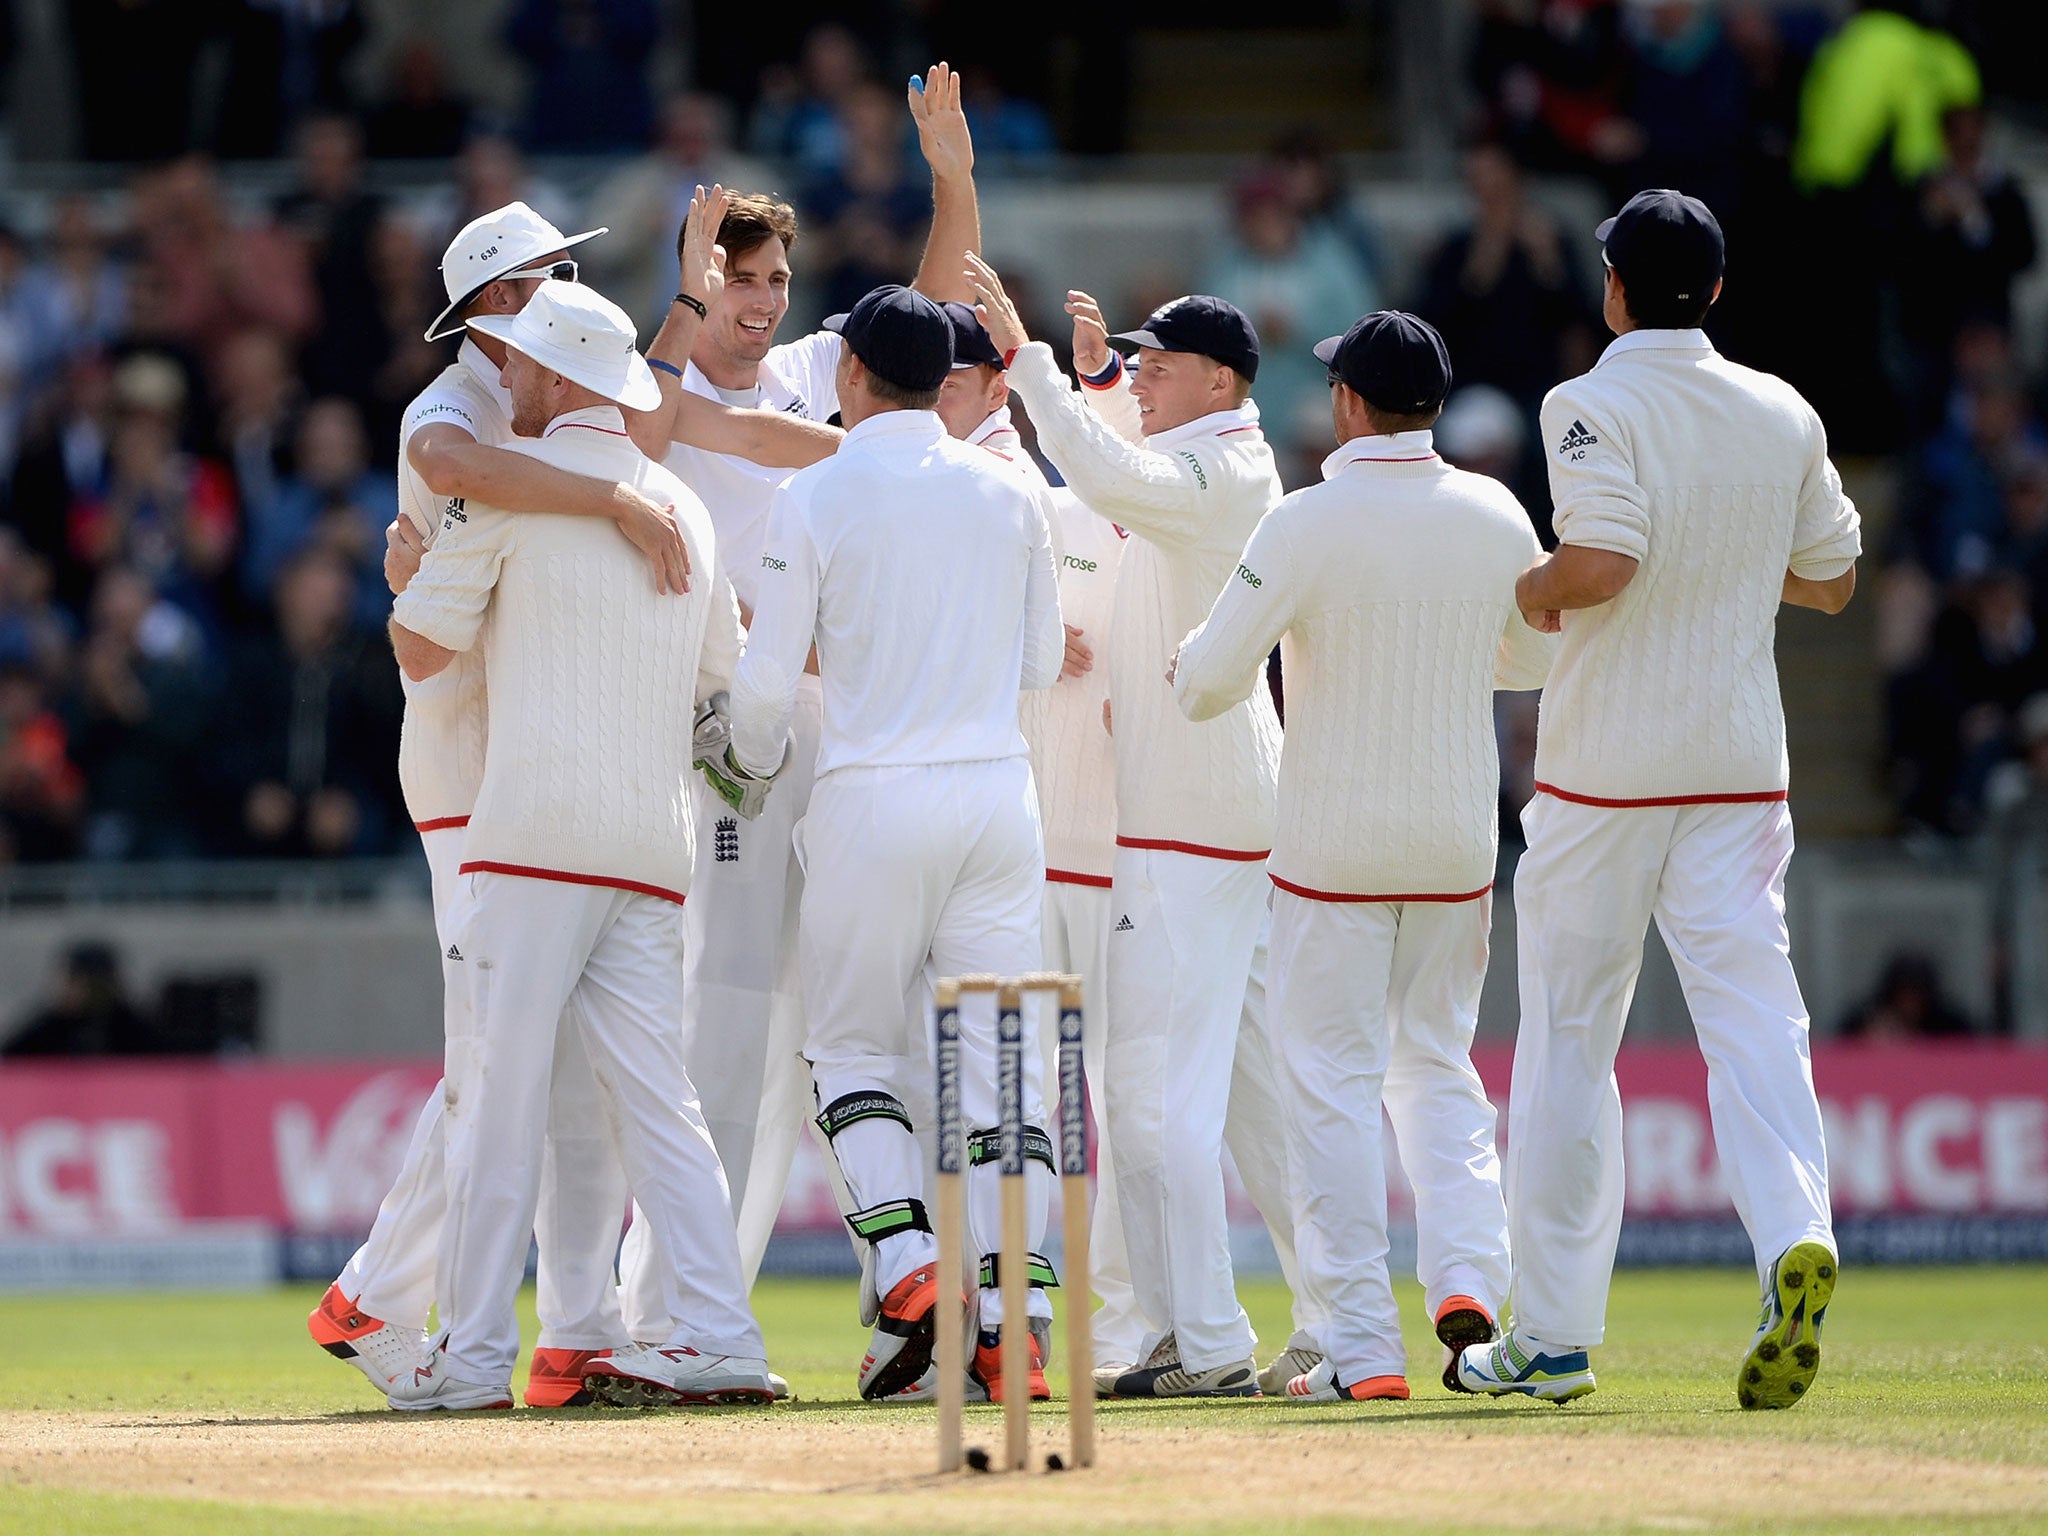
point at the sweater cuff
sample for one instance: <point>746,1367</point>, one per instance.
<point>1107,379</point>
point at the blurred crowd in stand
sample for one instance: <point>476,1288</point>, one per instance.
<point>200,387</point>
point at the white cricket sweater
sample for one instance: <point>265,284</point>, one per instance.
<point>922,569</point>
<point>799,378</point>
<point>593,675</point>
<point>1717,479</point>
<point>441,742</point>
<point>1393,584</point>
<point>1191,497</point>
<point>1073,760</point>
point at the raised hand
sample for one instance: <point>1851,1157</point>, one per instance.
<point>701,257</point>
<point>941,124</point>
<point>1005,325</point>
<point>1091,335</point>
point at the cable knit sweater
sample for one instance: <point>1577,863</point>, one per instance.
<point>592,674</point>
<point>1716,479</point>
<point>1190,497</point>
<point>1073,760</point>
<point>1393,584</point>
<point>441,744</point>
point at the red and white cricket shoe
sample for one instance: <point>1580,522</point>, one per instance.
<point>646,1376</point>
<point>380,1351</point>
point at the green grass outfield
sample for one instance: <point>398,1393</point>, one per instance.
<point>1941,1368</point>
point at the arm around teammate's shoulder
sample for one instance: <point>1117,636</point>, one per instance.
<point>1600,503</point>
<point>1218,665</point>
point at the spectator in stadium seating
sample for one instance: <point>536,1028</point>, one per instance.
<point>1908,1005</point>
<point>285,58</point>
<point>17,347</point>
<point>1299,282</point>
<point>867,213</point>
<point>257,401</point>
<point>1688,98</point>
<point>41,791</point>
<point>643,203</point>
<point>797,110</point>
<point>168,513</point>
<point>1011,133</point>
<point>333,500</point>
<point>307,735</point>
<point>409,295</point>
<point>212,274</point>
<point>1970,236</point>
<point>1316,189</point>
<point>489,173</point>
<point>34,631</point>
<point>1504,293</point>
<point>63,461</point>
<point>1952,509</point>
<point>335,217</point>
<point>1550,74</point>
<point>420,117</point>
<point>1882,83</point>
<point>586,72</point>
<point>137,719</point>
<point>77,293</point>
<point>91,1015</point>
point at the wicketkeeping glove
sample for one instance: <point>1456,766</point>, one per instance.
<point>711,740</point>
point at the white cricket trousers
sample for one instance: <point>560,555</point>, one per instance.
<point>1713,876</point>
<point>1375,1003</point>
<point>548,960</point>
<point>1180,957</point>
<point>583,1189</point>
<point>742,997</point>
<point>940,865</point>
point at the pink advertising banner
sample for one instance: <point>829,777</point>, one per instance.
<point>111,1151</point>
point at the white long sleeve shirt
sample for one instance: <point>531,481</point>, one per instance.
<point>922,569</point>
<point>1190,498</point>
<point>441,743</point>
<point>592,674</point>
<point>1716,479</point>
<point>799,378</point>
<point>1073,760</point>
<point>1393,583</point>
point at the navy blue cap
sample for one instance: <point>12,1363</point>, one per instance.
<point>1666,246</point>
<point>1393,361</point>
<point>1201,323</point>
<point>900,334</point>
<point>972,344</point>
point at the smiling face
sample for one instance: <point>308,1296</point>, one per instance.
<point>741,327</point>
<point>1175,388</point>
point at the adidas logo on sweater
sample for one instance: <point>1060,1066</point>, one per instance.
<point>1125,925</point>
<point>1577,437</point>
<point>454,953</point>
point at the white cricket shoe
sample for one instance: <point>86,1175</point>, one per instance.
<point>1320,1385</point>
<point>1512,1366</point>
<point>381,1351</point>
<point>643,1377</point>
<point>429,1387</point>
<point>1289,1363</point>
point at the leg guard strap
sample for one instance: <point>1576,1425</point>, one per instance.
<point>1038,1271</point>
<point>852,1108</point>
<point>987,1147</point>
<point>889,1220</point>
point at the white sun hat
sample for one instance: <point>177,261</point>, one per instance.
<point>502,243</point>
<point>582,335</point>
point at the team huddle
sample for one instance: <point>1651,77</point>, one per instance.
<point>801,632</point>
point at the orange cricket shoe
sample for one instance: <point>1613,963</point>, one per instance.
<point>554,1378</point>
<point>987,1368</point>
<point>381,1352</point>
<point>1460,1321</point>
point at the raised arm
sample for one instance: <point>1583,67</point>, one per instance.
<point>1166,496</point>
<point>1105,382</point>
<point>956,211</point>
<point>454,463</point>
<point>1218,666</point>
<point>700,262</point>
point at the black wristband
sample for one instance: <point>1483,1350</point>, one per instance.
<point>689,303</point>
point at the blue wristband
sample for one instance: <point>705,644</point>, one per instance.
<point>655,362</point>
<point>1108,375</point>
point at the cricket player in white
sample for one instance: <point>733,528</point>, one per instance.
<point>575,863</point>
<point>1393,584</point>
<point>1693,497</point>
<point>923,570</point>
<point>743,999</point>
<point>451,446</point>
<point>1074,766</point>
<point>1194,805</point>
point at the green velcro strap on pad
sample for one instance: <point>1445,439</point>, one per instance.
<point>1038,1271</point>
<point>852,1108</point>
<point>987,1147</point>
<point>890,1220</point>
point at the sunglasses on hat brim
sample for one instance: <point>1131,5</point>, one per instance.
<point>565,271</point>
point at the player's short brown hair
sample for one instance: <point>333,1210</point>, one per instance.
<point>751,220</point>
